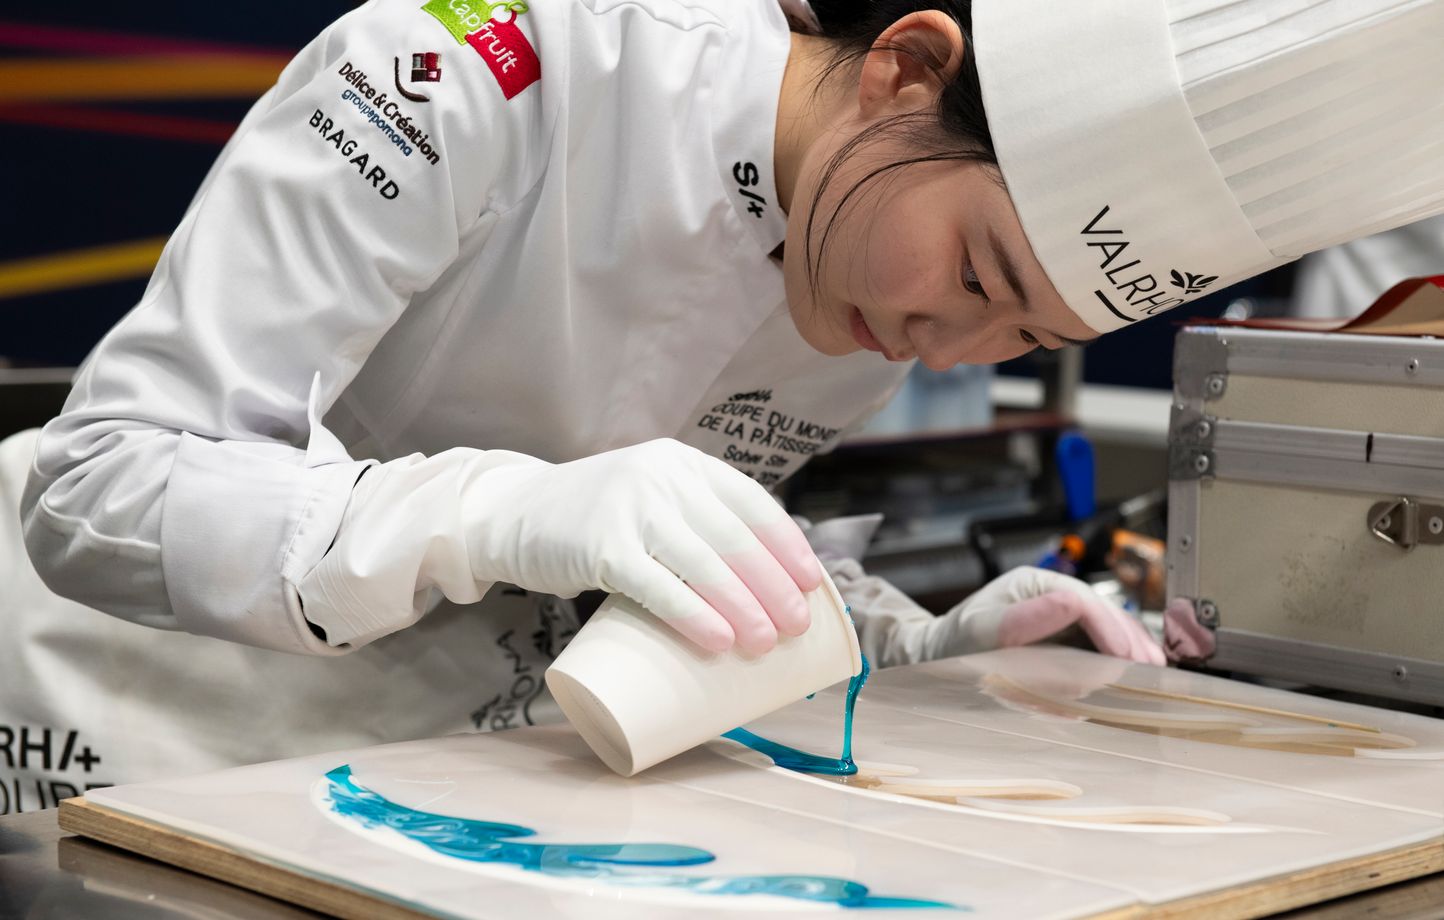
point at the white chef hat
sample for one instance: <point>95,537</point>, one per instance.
<point>1157,150</point>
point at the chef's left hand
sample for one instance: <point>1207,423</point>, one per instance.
<point>1029,605</point>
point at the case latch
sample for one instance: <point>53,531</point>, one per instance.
<point>1405,522</point>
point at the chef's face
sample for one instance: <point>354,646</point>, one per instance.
<point>927,261</point>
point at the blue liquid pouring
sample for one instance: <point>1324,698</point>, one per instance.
<point>491,842</point>
<point>791,758</point>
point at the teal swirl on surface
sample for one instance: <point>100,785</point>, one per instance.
<point>506,844</point>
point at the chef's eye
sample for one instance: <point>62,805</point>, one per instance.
<point>1028,337</point>
<point>971,283</point>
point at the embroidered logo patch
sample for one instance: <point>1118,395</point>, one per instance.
<point>425,68</point>
<point>498,41</point>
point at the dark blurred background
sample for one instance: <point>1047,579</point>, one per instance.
<point>110,116</point>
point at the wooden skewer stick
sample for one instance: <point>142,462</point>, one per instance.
<point>1164,694</point>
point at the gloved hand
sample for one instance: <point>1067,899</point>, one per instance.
<point>641,521</point>
<point>1028,605</point>
<point>1025,605</point>
<point>690,538</point>
<point>1184,639</point>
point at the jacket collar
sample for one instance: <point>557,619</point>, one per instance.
<point>744,122</point>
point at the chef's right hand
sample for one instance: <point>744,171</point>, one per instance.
<point>693,540</point>
<point>690,538</point>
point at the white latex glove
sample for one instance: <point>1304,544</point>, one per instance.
<point>1020,607</point>
<point>690,538</point>
<point>1029,605</point>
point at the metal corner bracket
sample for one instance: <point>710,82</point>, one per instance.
<point>1200,363</point>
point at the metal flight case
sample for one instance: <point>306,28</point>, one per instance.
<point>1306,505</point>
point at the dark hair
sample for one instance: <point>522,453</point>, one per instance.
<point>956,130</point>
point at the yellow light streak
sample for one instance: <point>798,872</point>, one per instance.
<point>178,76</point>
<point>79,267</point>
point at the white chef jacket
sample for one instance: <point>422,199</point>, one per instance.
<point>88,699</point>
<point>560,266</point>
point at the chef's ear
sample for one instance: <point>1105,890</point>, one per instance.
<point>910,63</point>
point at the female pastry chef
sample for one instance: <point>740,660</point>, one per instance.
<point>543,294</point>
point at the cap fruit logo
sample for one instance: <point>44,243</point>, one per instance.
<point>1191,283</point>
<point>463,18</point>
<point>498,41</point>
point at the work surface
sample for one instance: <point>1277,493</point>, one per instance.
<point>46,874</point>
<point>1028,783</point>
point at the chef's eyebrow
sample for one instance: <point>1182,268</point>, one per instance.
<point>1009,268</point>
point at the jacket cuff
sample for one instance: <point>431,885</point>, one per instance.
<point>891,628</point>
<point>242,521</point>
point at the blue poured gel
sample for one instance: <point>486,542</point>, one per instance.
<point>854,687</point>
<point>491,842</point>
<point>791,758</point>
<point>488,841</point>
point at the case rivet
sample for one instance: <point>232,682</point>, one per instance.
<point>1203,429</point>
<point>1208,613</point>
<point>1185,543</point>
<point>1200,463</point>
<point>1401,672</point>
<point>1215,384</point>
<point>1412,366</point>
<point>1436,526</point>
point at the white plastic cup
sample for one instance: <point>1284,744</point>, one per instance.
<point>638,692</point>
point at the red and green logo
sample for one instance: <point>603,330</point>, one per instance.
<point>462,18</point>
<point>491,30</point>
